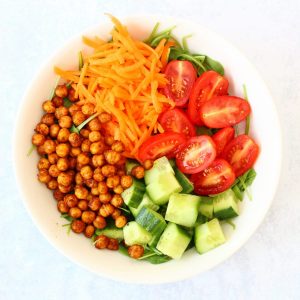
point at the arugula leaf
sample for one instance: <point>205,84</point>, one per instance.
<point>242,183</point>
<point>80,126</point>
<point>67,217</point>
<point>53,90</point>
<point>67,103</point>
<point>123,250</point>
<point>154,256</point>
<point>211,64</point>
<point>30,150</point>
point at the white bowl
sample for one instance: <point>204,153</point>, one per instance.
<point>264,128</point>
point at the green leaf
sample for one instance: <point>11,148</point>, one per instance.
<point>242,183</point>
<point>238,193</point>
<point>123,250</point>
<point>152,34</point>
<point>202,130</point>
<point>184,42</point>
<point>67,103</point>
<point>212,64</point>
<point>247,127</point>
<point>67,217</point>
<point>53,90</point>
<point>80,60</point>
<point>68,85</point>
<point>30,150</point>
<point>80,126</point>
<point>155,258</point>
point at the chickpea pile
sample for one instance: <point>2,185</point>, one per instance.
<point>86,171</point>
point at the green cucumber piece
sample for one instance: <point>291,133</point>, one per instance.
<point>172,163</point>
<point>208,236</point>
<point>201,219</point>
<point>130,164</point>
<point>160,166</point>
<point>183,209</point>
<point>146,201</point>
<point>206,207</point>
<point>187,186</point>
<point>174,241</point>
<point>134,195</point>
<point>111,232</point>
<point>134,234</point>
<point>225,205</point>
<point>161,190</point>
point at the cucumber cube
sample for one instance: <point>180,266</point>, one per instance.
<point>206,207</point>
<point>134,195</point>
<point>187,186</point>
<point>225,205</point>
<point>174,241</point>
<point>161,190</point>
<point>183,209</point>
<point>208,236</point>
<point>136,234</point>
<point>146,201</point>
<point>111,232</point>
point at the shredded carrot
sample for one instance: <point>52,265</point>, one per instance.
<point>165,53</point>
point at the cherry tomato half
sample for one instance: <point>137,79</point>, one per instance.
<point>215,179</point>
<point>222,138</point>
<point>163,144</point>
<point>181,75</point>
<point>224,111</point>
<point>196,154</point>
<point>175,120</point>
<point>241,153</point>
<point>208,85</point>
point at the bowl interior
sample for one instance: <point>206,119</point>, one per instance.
<point>42,207</point>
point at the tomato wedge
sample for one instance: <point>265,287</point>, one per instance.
<point>217,178</point>
<point>224,111</point>
<point>222,138</point>
<point>164,144</point>
<point>196,154</point>
<point>181,75</point>
<point>175,120</point>
<point>241,153</point>
<point>208,85</point>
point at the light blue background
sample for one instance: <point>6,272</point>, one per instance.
<point>268,266</point>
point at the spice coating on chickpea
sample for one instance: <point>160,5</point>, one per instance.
<point>118,189</point>
<point>104,117</point>
<point>62,150</point>
<point>58,195</point>
<point>48,106</point>
<point>49,146</point>
<point>44,176</point>
<point>112,157</point>
<point>71,95</point>
<point>148,164</point>
<point>136,251</point>
<point>63,135</point>
<point>120,221</point>
<point>57,101</point>
<point>48,119</point>
<point>88,217</point>
<point>62,164</point>
<point>116,213</point>
<point>43,163</point>
<point>89,231</point>
<point>113,181</point>
<point>75,139</point>
<point>73,109</point>
<point>108,170</point>
<point>99,222</point>
<point>86,172</point>
<point>94,125</point>
<point>126,181</point>
<point>52,184</point>
<point>78,179</point>
<point>77,226</point>
<point>42,129</point>
<point>83,159</point>
<point>85,133</point>
<point>65,122</point>
<point>98,160</point>
<point>97,147</point>
<point>106,210</point>
<point>83,205</point>
<point>102,187</point>
<point>65,189</point>
<point>61,91</point>
<point>75,212</point>
<point>61,111</point>
<point>64,179</point>
<point>117,146</point>
<point>54,129</point>
<point>113,244</point>
<point>62,207</point>
<point>81,192</point>
<point>105,198</point>
<point>38,139</point>
<point>138,172</point>
<point>78,118</point>
<point>117,200</point>
<point>71,200</point>
<point>101,242</point>
<point>53,158</point>
<point>95,204</point>
<point>95,136</point>
<point>88,109</point>
<point>54,171</point>
<point>85,146</point>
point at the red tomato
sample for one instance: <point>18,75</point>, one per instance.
<point>224,111</point>
<point>217,178</point>
<point>196,154</point>
<point>181,75</point>
<point>208,85</point>
<point>222,138</point>
<point>241,153</point>
<point>175,120</point>
<point>160,145</point>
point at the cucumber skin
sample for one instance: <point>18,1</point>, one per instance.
<point>130,164</point>
<point>114,233</point>
<point>206,207</point>
<point>187,186</point>
<point>147,203</point>
<point>225,214</point>
<point>225,205</point>
<point>135,193</point>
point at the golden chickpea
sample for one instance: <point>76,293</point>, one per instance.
<point>75,139</point>
<point>49,146</point>
<point>81,192</point>
<point>148,164</point>
<point>113,244</point>
<point>42,129</point>
<point>65,122</point>
<point>118,189</point>
<point>106,209</point>
<point>138,172</point>
<point>57,101</point>
<point>117,146</point>
<point>113,181</point>
<point>71,95</point>
<point>74,152</point>
<point>62,164</point>
<point>54,129</point>
<point>102,188</point>
<point>78,179</point>
<point>43,176</point>
<point>109,140</point>
<point>88,217</point>
<point>72,162</point>
<point>136,251</point>
<point>95,136</point>
<point>85,133</point>
<point>101,242</point>
<point>105,198</point>
<point>126,181</point>
<point>71,200</point>
<point>65,189</point>
<point>63,150</point>
<point>78,118</point>
<point>54,171</point>
<point>62,207</point>
<point>121,163</point>
<point>89,197</point>
<point>86,172</point>
<point>78,226</point>
<point>71,173</point>
<point>63,135</point>
<point>58,195</point>
<point>61,91</point>
<point>83,205</point>
<point>53,158</point>
<point>99,222</point>
<point>38,139</point>
<point>97,147</point>
<point>61,112</point>
<point>83,159</point>
<point>120,221</point>
<point>116,213</point>
<point>43,163</point>
<point>73,109</point>
<point>52,184</point>
<point>111,156</point>
<point>48,107</point>
<point>64,179</point>
<point>108,170</point>
<point>104,117</point>
<point>75,212</point>
<point>88,109</point>
<point>94,125</point>
<point>117,200</point>
<point>98,176</point>
<point>89,231</point>
<point>95,204</point>
<point>48,119</point>
<point>85,146</point>
<point>91,183</point>
<point>41,150</point>
<point>95,191</point>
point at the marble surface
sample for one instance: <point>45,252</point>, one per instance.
<point>268,266</point>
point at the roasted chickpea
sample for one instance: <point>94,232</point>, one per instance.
<point>95,191</point>
<point>71,200</point>
<point>54,129</point>
<point>111,156</point>
<point>104,117</point>
<point>138,172</point>
<point>52,184</point>
<point>136,251</point>
<point>65,189</point>
<point>116,213</point>
<point>109,140</point>
<point>83,205</point>
<point>117,200</point>
<point>64,179</point>
<point>102,187</point>
<point>126,181</point>
<point>94,125</point>
<point>98,160</point>
<point>42,129</point>
<point>71,173</point>
<point>91,183</point>
<point>86,172</point>
<point>54,171</point>
<point>43,163</point>
<point>106,209</point>
<point>89,197</point>
<point>105,198</point>
<point>57,101</point>
<point>72,162</point>
<point>113,244</point>
<point>58,195</point>
<point>61,91</point>
<point>121,163</point>
<point>148,164</point>
<point>83,159</point>
<point>62,164</point>
<point>88,109</point>
<point>118,189</point>
<point>48,107</point>
<point>113,181</point>
<point>38,139</point>
<point>99,222</point>
<point>81,192</point>
<point>98,176</point>
<point>78,118</point>
<point>89,231</point>
<point>49,146</point>
<point>41,150</point>
<point>78,226</point>
<point>61,112</point>
<point>65,122</point>
<point>95,136</point>
<point>63,150</point>
<point>44,176</point>
<point>78,179</point>
<point>48,119</point>
<point>75,212</point>
<point>71,95</point>
<point>95,204</point>
<point>74,152</point>
<point>120,221</point>
<point>97,147</point>
<point>85,146</point>
<point>117,146</point>
<point>75,139</point>
<point>73,109</point>
<point>53,158</point>
<point>85,133</point>
<point>101,242</point>
<point>108,170</point>
<point>88,217</point>
<point>62,207</point>
<point>63,135</point>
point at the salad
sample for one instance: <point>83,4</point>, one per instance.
<point>140,146</point>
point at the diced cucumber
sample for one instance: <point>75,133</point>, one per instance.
<point>111,232</point>
<point>174,241</point>
<point>201,219</point>
<point>183,209</point>
<point>225,205</point>
<point>208,236</point>
<point>134,233</point>
<point>146,201</point>
<point>206,207</point>
<point>134,195</point>
<point>172,163</point>
<point>161,190</point>
<point>160,166</point>
<point>187,186</point>
<point>130,164</point>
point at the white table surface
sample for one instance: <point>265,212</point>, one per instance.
<point>268,266</point>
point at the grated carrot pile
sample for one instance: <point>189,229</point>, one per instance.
<point>123,77</point>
